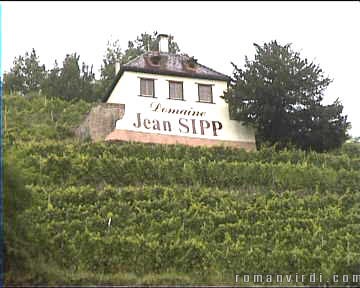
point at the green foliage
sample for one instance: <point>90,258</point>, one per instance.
<point>132,214</point>
<point>70,77</point>
<point>71,82</point>
<point>26,75</point>
<point>280,95</point>
<point>112,55</point>
<point>351,149</point>
<point>51,85</point>
<point>196,230</point>
<point>16,199</point>
<point>16,196</point>
<point>92,164</point>
<point>74,81</point>
<point>38,118</point>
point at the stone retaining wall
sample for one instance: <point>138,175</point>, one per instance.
<point>100,121</point>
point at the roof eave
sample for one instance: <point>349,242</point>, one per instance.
<point>176,73</point>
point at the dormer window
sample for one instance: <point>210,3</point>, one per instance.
<point>147,87</point>
<point>205,93</point>
<point>191,62</point>
<point>155,59</point>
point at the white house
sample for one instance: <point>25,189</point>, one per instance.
<point>170,98</point>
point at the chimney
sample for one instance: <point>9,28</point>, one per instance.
<point>117,67</point>
<point>163,43</point>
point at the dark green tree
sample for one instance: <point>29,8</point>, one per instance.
<point>70,82</point>
<point>26,75</point>
<point>51,85</point>
<point>12,83</point>
<point>320,127</point>
<point>17,199</point>
<point>280,95</point>
<point>87,87</point>
<point>112,55</point>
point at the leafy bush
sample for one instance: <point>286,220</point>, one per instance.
<point>40,118</point>
<point>16,199</point>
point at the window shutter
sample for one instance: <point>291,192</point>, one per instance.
<point>176,90</point>
<point>205,93</point>
<point>147,87</point>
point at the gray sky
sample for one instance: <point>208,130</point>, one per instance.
<point>216,33</point>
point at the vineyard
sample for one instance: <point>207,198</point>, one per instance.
<point>130,213</point>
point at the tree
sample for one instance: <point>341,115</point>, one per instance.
<point>143,43</point>
<point>87,88</point>
<point>50,86</point>
<point>11,83</point>
<point>112,55</point>
<point>70,82</point>
<point>325,128</point>
<point>70,77</point>
<point>280,94</point>
<point>26,75</point>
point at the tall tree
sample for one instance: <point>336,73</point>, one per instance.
<point>280,94</point>
<point>11,83</point>
<point>69,82</point>
<point>70,77</point>
<point>112,55</point>
<point>26,75</point>
<point>51,85</point>
<point>88,83</point>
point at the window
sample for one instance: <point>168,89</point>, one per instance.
<point>205,93</point>
<point>147,87</point>
<point>176,90</point>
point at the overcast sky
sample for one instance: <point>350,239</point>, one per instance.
<point>216,33</point>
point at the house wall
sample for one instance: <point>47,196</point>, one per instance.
<point>213,123</point>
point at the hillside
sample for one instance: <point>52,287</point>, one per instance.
<point>132,213</point>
